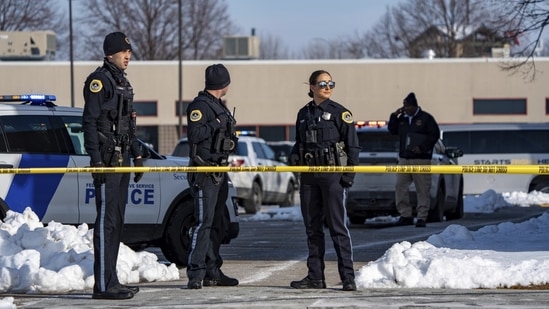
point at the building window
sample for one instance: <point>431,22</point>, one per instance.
<point>145,108</point>
<point>546,106</point>
<point>184,108</point>
<point>273,133</point>
<point>149,135</point>
<point>499,107</point>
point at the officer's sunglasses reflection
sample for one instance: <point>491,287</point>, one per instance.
<point>324,84</point>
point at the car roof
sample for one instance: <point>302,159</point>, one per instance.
<point>494,126</point>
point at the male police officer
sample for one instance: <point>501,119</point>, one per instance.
<point>109,138</point>
<point>211,134</point>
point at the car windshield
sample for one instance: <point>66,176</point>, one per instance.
<point>181,150</point>
<point>378,142</point>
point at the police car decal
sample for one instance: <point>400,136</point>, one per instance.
<point>33,190</point>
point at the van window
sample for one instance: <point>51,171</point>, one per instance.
<point>381,141</point>
<point>499,141</point>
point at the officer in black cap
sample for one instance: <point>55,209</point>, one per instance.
<point>211,134</point>
<point>109,137</point>
<point>419,132</point>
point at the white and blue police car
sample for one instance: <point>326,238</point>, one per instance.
<point>37,133</point>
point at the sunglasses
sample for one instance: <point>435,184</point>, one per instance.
<point>324,84</point>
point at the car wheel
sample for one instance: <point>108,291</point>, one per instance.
<point>436,214</point>
<point>542,187</point>
<point>253,204</point>
<point>289,197</point>
<point>356,219</point>
<point>458,211</point>
<point>176,243</point>
<point>3,209</point>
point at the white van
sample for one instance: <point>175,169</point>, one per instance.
<point>38,134</point>
<point>501,144</point>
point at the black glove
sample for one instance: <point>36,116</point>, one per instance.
<point>98,178</point>
<point>137,163</point>
<point>294,159</point>
<point>346,180</point>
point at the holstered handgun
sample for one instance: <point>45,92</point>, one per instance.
<point>340,154</point>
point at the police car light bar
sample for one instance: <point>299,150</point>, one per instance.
<point>371,124</point>
<point>33,99</point>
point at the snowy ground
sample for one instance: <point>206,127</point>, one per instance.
<point>59,258</point>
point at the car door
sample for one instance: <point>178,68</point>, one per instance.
<point>262,160</point>
<point>144,198</point>
<point>39,140</point>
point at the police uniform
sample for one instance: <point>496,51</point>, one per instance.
<point>211,135</point>
<point>325,132</point>
<point>109,138</point>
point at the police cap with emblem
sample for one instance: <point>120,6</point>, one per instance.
<point>116,42</point>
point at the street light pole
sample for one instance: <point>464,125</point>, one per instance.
<point>70,54</point>
<point>180,79</point>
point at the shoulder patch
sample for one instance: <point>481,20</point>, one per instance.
<point>195,115</point>
<point>347,117</point>
<point>96,85</point>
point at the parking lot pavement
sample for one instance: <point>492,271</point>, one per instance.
<point>258,289</point>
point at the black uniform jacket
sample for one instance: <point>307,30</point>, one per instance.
<point>423,132</point>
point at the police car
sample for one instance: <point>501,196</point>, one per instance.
<point>255,188</point>
<point>37,133</point>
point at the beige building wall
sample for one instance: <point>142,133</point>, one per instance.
<point>271,92</point>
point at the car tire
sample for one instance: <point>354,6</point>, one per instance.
<point>176,243</point>
<point>253,204</point>
<point>356,219</point>
<point>459,210</point>
<point>289,198</point>
<point>3,209</point>
<point>436,214</point>
<point>542,187</point>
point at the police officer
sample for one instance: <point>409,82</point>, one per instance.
<point>418,132</point>
<point>211,134</point>
<point>326,136</point>
<point>109,138</point>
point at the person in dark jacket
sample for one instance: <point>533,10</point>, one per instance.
<point>109,128</point>
<point>418,132</point>
<point>212,137</point>
<point>326,136</point>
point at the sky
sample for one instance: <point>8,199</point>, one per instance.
<point>298,23</point>
<point>59,258</point>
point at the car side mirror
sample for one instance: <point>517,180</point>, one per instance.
<point>282,157</point>
<point>454,152</point>
<point>145,152</point>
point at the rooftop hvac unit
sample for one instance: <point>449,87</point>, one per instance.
<point>241,47</point>
<point>27,45</point>
<point>502,52</point>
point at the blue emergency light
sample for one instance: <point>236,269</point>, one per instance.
<point>32,99</point>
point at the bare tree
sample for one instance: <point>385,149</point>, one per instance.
<point>441,23</point>
<point>153,27</point>
<point>271,47</point>
<point>523,21</point>
<point>29,15</point>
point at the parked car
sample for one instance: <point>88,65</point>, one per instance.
<point>40,134</point>
<point>255,188</point>
<point>373,194</point>
<point>282,150</point>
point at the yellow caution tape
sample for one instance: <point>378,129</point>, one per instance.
<point>422,169</point>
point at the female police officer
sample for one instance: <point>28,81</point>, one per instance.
<point>325,136</point>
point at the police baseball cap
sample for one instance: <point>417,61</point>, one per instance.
<point>116,42</point>
<point>217,77</point>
